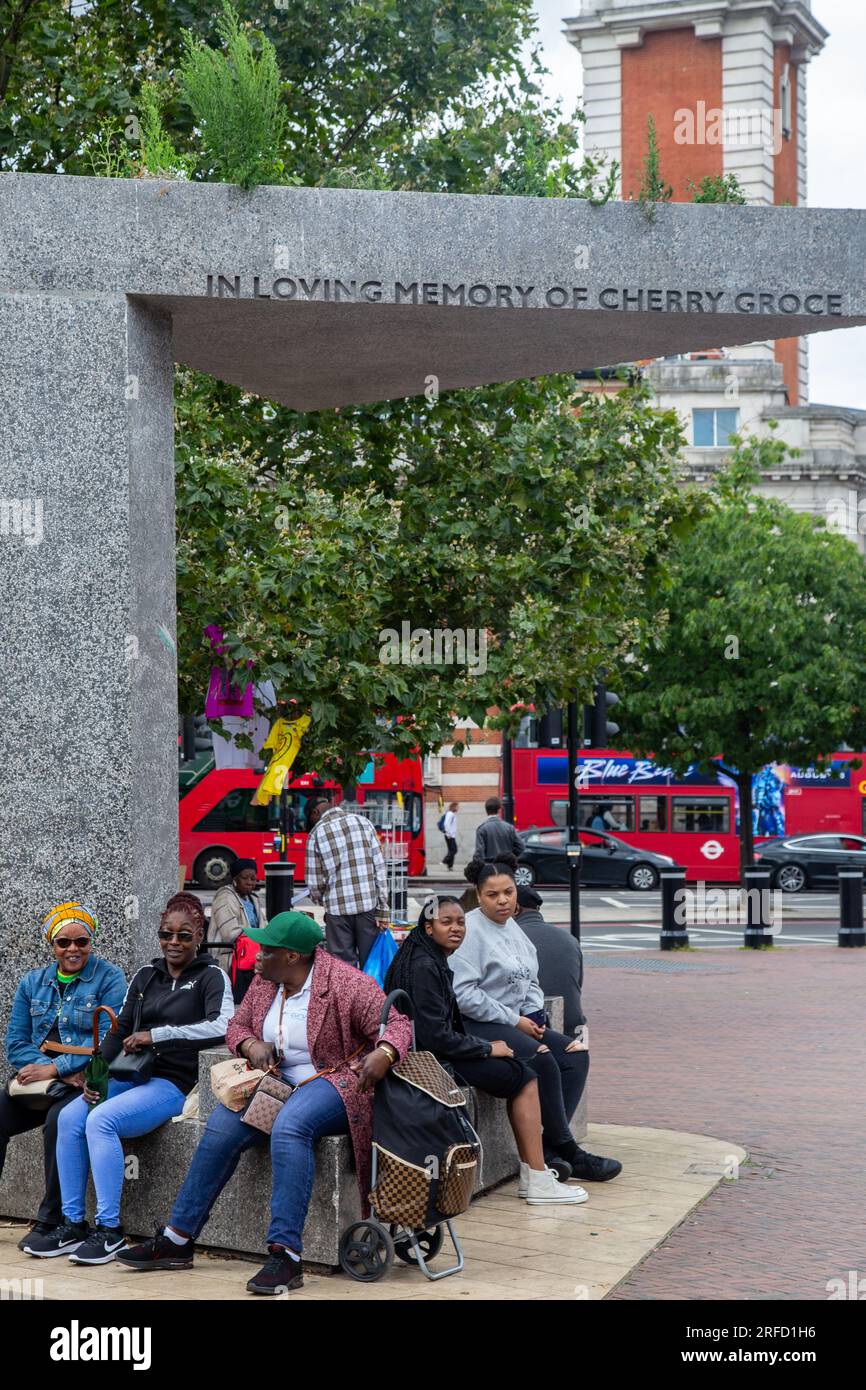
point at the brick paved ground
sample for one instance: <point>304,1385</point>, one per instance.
<point>768,1049</point>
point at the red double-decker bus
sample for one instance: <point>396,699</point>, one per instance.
<point>694,818</point>
<point>219,821</point>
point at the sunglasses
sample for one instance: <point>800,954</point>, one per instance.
<point>185,936</point>
<point>67,942</point>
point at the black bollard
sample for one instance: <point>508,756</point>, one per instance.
<point>279,887</point>
<point>674,935</point>
<point>758,933</point>
<point>851,932</point>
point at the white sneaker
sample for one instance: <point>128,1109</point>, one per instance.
<point>523,1180</point>
<point>545,1189</point>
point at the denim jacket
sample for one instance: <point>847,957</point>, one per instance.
<point>35,1007</point>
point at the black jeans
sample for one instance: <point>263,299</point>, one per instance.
<point>561,1075</point>
<point>448,861</point>
<point>15,1118</point>
<point>351,937</point>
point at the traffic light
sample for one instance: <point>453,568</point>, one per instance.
<point>550,731</point>
<point>598,730</point>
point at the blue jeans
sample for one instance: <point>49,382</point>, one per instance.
<point>310,1112</point>
<point>89,1136</point>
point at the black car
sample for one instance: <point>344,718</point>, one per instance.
<point>810,861</point>
<point>605,861</point>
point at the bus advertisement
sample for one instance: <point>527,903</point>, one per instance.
<point>219,821</point>
<point>694,817</point>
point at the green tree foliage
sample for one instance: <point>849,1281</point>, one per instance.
<point>235,96</point>
<point>653,189</point>
<point>717,188</point>
<point>763,658</point>
<point>519,510</point>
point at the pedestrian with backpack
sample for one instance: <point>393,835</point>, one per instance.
<point>236,906</point>
<point>447,823</point>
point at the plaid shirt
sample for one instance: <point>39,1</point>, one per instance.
<point>345,865</point>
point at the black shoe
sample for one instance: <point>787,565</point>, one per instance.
<point>100,1248</point>
<point>560,1166</point>
<point>62,1240</point>
<point>39,1228</point>
<point>591,1168</point>
<point>279,1274</point>
<point>158,1253</point>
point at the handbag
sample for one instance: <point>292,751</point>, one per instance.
<point>136,1067</point>
<point>41,1095</point>
<point>272,1092</point>
<point>37,1095</point>
<point>234,1081</point>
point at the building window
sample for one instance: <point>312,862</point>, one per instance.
<point>712,429</point>
<point>697,815</point>
<point>785,101</point>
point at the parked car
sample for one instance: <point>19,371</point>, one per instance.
<point>810,861</point>
<point>605,861</point>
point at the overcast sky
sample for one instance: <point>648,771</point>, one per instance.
<point>836,156</point>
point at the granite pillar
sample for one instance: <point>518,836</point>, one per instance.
<point>87,621</point>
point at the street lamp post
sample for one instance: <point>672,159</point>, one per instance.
<point>573,839</point>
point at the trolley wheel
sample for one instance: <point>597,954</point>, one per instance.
<point>430,1243</point>
<point>366,1251</point>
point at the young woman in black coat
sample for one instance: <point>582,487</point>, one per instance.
<point>421,969</point>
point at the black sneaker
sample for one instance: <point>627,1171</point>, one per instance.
<point>279,1274</point>
<point>39,1228</point>
<point>158,1253</point>
<point>591,1168</point>
<point>62,1240</point>
<point>100,1248</point>
<point>559,1165</point>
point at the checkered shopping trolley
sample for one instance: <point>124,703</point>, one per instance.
<point>426,1157</point>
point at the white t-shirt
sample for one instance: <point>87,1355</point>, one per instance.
<point>449,825</point>
<point>292,1045</point>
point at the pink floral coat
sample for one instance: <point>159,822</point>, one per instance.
<point>345,1006</point>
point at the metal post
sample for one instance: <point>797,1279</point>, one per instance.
<point>573,837</point>
<point>758,933</point>
<point>507,781</point>
<point>284,822</point>
<point>673,935</point>
<point>851,932</point>
<point>279,888</point>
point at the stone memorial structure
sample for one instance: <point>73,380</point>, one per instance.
<point>315,298</point>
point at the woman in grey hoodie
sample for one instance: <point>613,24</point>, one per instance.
<point>495,973</point>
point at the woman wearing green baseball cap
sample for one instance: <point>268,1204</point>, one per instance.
<point>316,1019</point>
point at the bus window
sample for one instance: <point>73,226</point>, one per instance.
<point>653,813</point>
<point>235,812</point>
<point>700,814</point>
<point>559,812</point>
<point>607,812</point>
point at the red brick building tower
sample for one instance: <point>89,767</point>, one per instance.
<point>725,83</point>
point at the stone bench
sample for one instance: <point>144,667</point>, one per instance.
<point>157,1163</point>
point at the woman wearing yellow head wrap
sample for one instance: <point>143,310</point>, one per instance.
<point>53,1008</point>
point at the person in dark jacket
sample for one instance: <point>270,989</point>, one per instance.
<point>53,1009</point>
<point>494,835</point>
<point>421,969</point>
<point>185,1005</point>
<point>560,959</point>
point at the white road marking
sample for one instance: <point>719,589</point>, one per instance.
<point>615,902</point>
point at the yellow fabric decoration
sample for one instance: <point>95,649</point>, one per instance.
<point>284,740</point>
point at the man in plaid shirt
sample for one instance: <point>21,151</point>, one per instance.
<point>346,872</point>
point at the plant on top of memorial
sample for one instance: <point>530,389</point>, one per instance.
<point>717,188</point>
<point>236,99</point>
<point>653,189</point>
<point>763,658</point>
<point>496,511</point>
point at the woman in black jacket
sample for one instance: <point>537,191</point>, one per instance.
<point>421,969</point>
